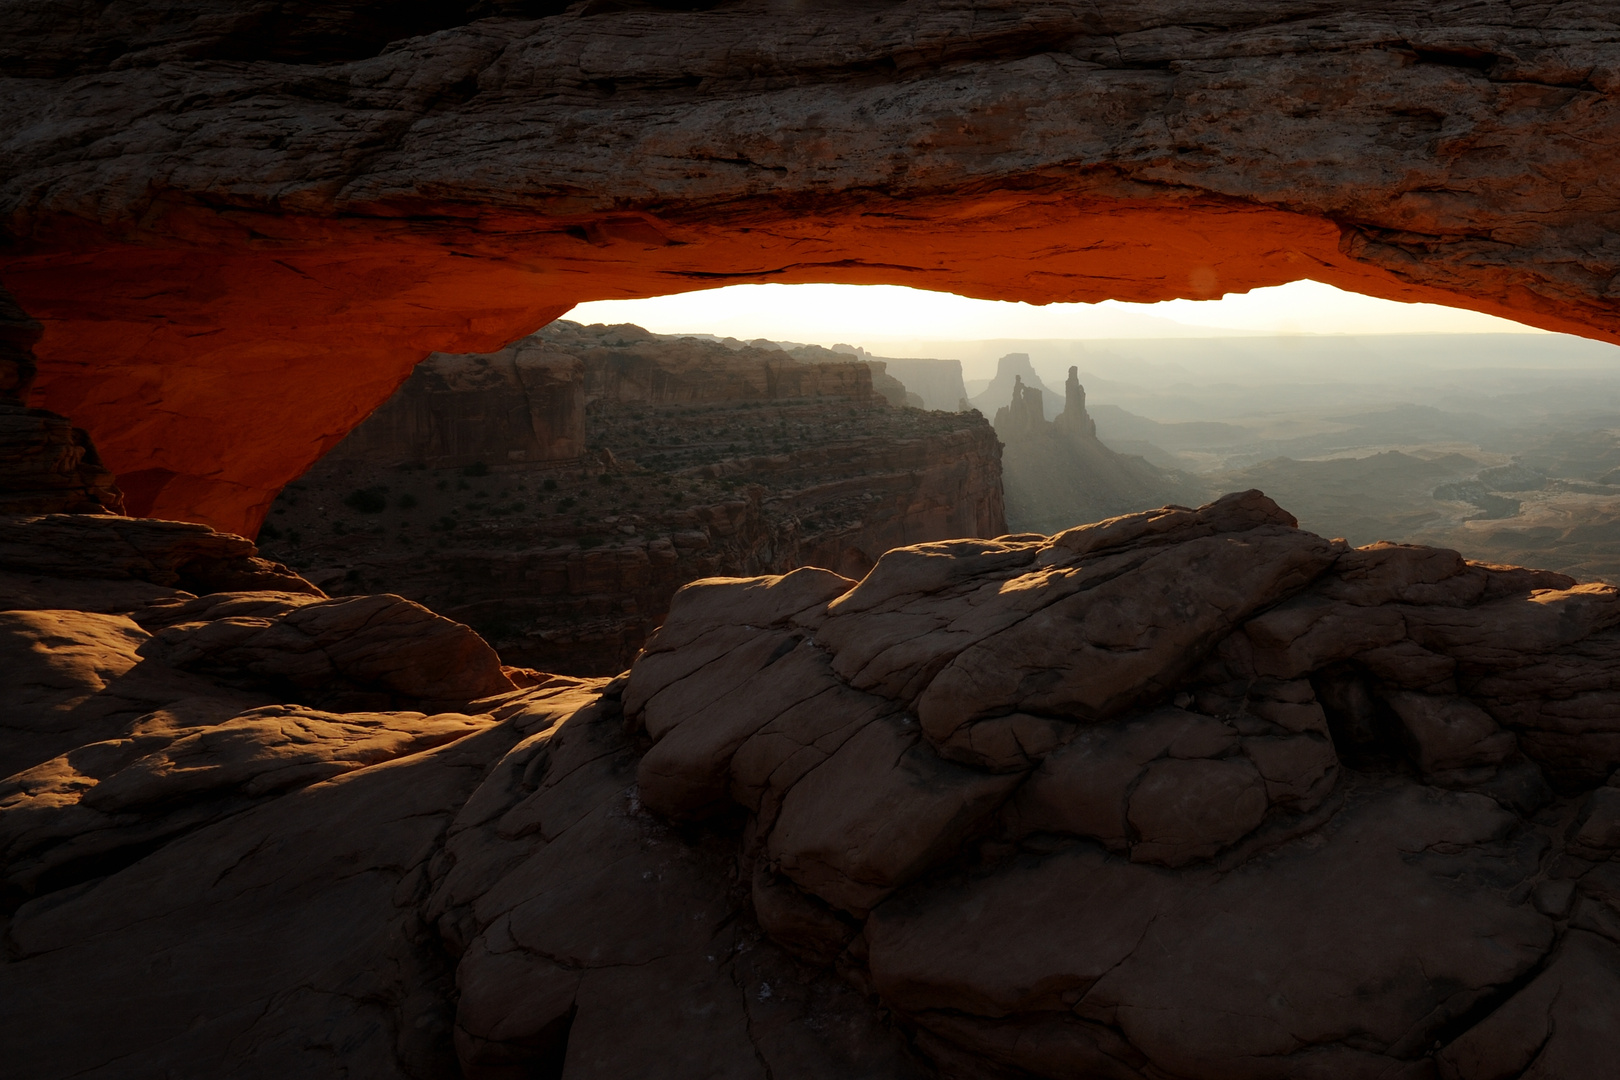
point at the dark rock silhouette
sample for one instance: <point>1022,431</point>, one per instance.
<point>46,464</point>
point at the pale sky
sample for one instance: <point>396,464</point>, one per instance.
<point>869,315</point>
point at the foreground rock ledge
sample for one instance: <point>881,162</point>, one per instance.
<point>1189,793</point>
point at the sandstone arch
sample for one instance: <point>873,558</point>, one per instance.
<point>238,249</point>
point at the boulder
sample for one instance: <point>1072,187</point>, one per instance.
<point>383,645</point>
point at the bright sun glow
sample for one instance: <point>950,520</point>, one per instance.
<point>870,315</point>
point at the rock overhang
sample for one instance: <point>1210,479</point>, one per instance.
<point>235,259</point>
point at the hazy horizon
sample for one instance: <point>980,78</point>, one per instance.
<point>828,313</point>
<point>1267,332</point>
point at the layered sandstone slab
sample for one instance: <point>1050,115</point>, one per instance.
<point>314,211</point>
<point>942,821</point>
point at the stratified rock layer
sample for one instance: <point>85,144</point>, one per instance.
<point>523,403</point>
<point>1187,794</point>
<point>314,201</point>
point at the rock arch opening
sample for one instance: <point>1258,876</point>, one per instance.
<point>236,261</point>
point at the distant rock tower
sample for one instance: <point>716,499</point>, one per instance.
<point>1074,418</point>
<point>1026,413</point>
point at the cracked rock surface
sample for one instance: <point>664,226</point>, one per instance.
<point>952,820</point>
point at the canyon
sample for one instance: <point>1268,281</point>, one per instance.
<point>555,494</point>
<point>1182,793</point>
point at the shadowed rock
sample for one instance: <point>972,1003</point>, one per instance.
<point>1210,850</point>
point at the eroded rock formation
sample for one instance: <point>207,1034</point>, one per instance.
<point>691,459</point>
<point>1181,794</point>
<point>313,202</point>
<point>1057,472</point>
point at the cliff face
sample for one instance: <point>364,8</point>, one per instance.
<point>690,459</point>
<point>1057,474</point>
<point>626,365</point>
<point>190,190</point>
<point>523,403</point>
<point>1185,793</point>
<point>937,382</point>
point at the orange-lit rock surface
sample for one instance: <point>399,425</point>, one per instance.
<point>240,231</point>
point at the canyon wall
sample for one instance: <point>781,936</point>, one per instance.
<point>205,209</point>
<point>522,403</point>
<point>689,459</point>
<point>937,382</point>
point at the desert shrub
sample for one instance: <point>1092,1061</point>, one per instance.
<point>550,484</point>
<point>605,478</point>
<point>406,501</point>
<point>371,500</point>
<point>268,531</point>
<point>477,468</point>
<point>565,503</point>
<point>590,541</point>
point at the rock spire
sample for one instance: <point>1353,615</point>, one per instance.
<point>1074,418</point>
